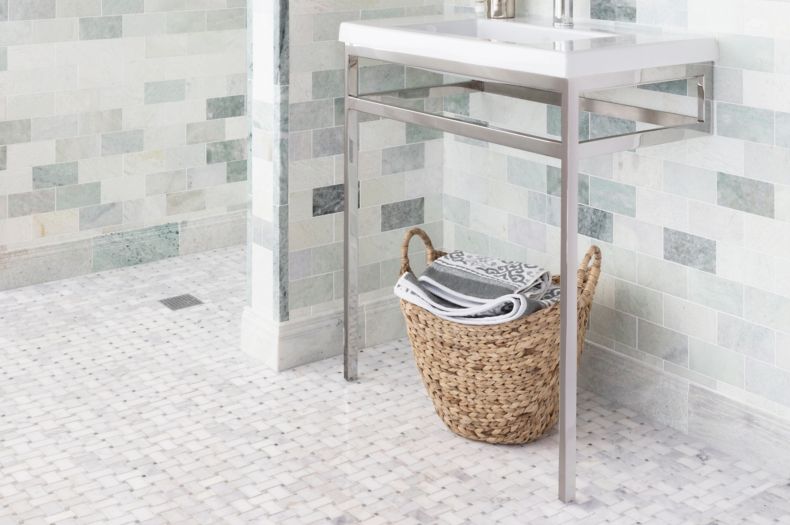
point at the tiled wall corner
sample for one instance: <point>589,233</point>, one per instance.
<point>118,117</point>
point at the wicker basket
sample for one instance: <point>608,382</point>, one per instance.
<point>500,383</point>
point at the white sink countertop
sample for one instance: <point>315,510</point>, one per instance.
<point>532,45</point>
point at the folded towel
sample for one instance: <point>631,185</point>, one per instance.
<point>479,278</point>
<point>476,290</point>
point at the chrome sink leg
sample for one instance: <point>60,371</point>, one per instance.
<point>351,342</point>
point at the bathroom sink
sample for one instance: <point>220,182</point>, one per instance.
<point>530,45</point>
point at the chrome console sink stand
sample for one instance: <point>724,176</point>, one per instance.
<point>570,95</point>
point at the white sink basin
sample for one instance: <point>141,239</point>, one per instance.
<point>531,45</point>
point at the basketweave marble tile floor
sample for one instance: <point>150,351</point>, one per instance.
<point>115,409</point>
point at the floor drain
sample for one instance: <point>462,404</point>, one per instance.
<point>180,302</point>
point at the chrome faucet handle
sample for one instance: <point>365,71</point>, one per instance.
<point>501,8</point>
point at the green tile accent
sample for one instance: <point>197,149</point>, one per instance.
<point>101,215</point>
<point>101,27</point>
<point>15,131</point>
<point>121,249</point>
<point>327,142</point>
<point>55,175</point>
<point>402,214</point>
<point>745,123</point>
<point>526,173</point>
<point>662,342</point>
<point>311,115</point>
<point>225,107</point>
<point>122,142</point>
<point>383,77</point>
<point>226,151</point>
<point>554,184</point>
<point>79,195</point>
<point>615,10</point>
<point>402,158</point>
<point>328,84</point>
<point>613,196</point>
<point>237,171</point>
<point>717,362</point>
<point>31,202</point>
<point>747,195</point>
<point>421,134</point>
<point>595,223</point>
<point>3,157</point>
<point>165,91</point>
<point>690,250</point>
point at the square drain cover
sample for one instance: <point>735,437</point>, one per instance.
<point>180,302</point>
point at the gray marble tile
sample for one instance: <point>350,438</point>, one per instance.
<point>402,158</point>
<point>226,19</point>
<point>603,126</point>
<point>615,325</point>
<point>300,264</point>
<point>45,263</point>
<point>328,199</point>
<point>101,215</point>
<point>402,214</point>
<point>3,58</point>
<point>15,131</point>
<point>619,10</point>
<point>749,339</point>
<point>226,151</point>
<point>716,362</point>
<point>186,202</point>
<point>311,115</point>
<point>456,104</point>
<point>165,182</point>
<point>211,233</point>
<point>225,107</point>
<point>766,308</point>
<point>165,91</point>
<point>3,10</point>
<point>456,210</point>
<point>186,21</point>
<point>529,174</point>
<point>122,142</point>
<point>768,381</point>
<point>101,27</point>
<point>31,202</point>
<point>738,429</point>
<point>420,78</point>
<point>690,250</point>
<point>326,258</point>
<point>638,301</point>
<point>312,290</point>
<point>613,196</point>
<point>117,250</point>
<point>383,77</point>
<point>728,84</point>
<point>327,142</point>
<point>782,129</point>
<point>3,157</point>
<point>237,171</point>
<point>54,127</point>
<point>715,292</point>
<point>751,196</point>
<point>210,131</point>
<point>55,175</point>
<point>100,121</point>
<point>328,84</point>
<point>554,122</point>
<point>660,396</point>
<point>537,206</point>
<point>746,52</point>
<point>525,232</point>
<point>122,7</point>
<point>595,223</point>
<point>421,134</point>
<point>745,123</point>
<point>661,342</point>
<point>31,9</point>
<point>79,195</point>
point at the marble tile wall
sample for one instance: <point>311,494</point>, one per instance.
<point>696,291</point>
<point>400,166</point>
<point>120,122</point>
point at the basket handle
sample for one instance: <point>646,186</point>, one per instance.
<point>588,274</point>
<point>430,253</point>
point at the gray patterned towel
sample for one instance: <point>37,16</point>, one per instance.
<point>477,290</point>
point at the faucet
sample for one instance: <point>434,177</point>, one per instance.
<point>563,11</point>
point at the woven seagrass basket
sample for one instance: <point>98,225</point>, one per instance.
<point>500,383</point>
